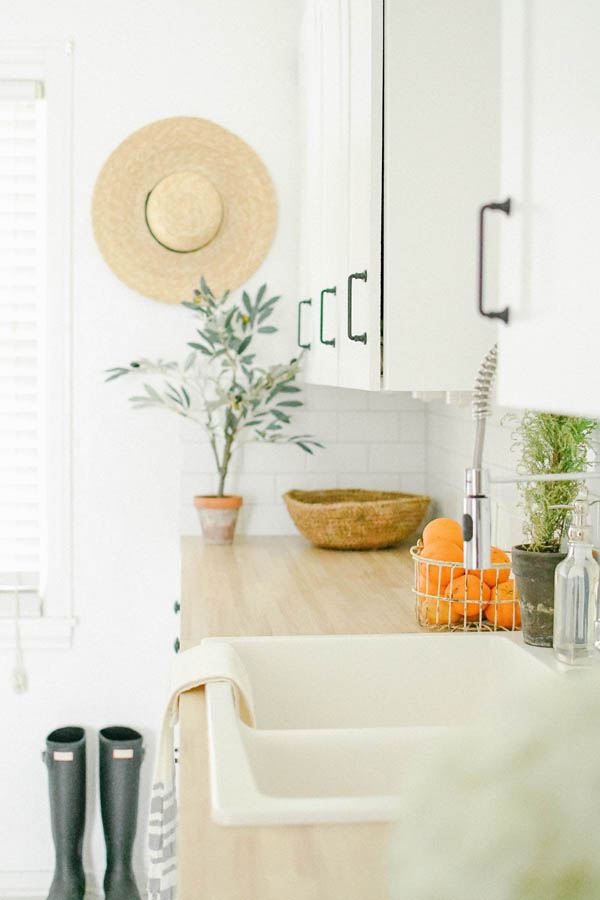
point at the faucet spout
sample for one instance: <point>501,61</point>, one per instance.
<point>481,401</point>
<point>477,525</point>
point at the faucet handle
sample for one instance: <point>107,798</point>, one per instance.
<point>477,522</point>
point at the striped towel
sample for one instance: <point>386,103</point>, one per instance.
<point>212,660</point>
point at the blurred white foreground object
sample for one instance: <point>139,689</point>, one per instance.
<point>512,813</point>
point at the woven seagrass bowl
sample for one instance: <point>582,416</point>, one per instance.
<point>354,519</point>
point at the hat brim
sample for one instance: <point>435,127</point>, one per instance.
<point>183,144</point>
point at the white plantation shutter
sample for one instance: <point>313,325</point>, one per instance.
<point>22,328</point>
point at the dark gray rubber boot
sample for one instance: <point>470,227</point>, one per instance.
<point>121,756</point>
<point>65,760</point>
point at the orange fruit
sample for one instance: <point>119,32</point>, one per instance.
<point>490,575</point>
<point>470,595</point>
<point>443,530</point>
<point>439,576</point>
<point>438,612</point>
<point>504,606</point>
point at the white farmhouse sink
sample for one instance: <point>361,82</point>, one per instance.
<point>339,718</point>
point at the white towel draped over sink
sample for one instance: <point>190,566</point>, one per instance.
<point>210,662</point>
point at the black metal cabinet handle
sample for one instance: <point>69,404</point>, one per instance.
<point>331,342</point>
<point>505,208</point>
<point>355,337</point>
<point>300,305</point>
<point>176,645</point>
<point>176,606</point>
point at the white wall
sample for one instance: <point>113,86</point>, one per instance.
<point>135,61</point>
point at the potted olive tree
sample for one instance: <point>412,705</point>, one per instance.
<point>548,444</point>
<point>219,386</point>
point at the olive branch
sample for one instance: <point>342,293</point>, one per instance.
<point>218,385</point>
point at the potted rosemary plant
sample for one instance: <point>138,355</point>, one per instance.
<point>548,443</point>
<point>219,386</point>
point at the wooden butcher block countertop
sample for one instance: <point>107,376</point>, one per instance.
<point>279,586</point>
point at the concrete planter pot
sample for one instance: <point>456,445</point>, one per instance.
<point>218,517</point>
<point>534,573</point>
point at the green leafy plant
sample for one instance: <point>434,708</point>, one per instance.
<point>550,443</point>
<point>218,385</point>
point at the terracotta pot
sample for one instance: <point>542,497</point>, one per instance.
<point>218,517</point>
<point>534,573</point>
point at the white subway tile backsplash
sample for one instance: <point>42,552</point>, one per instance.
<point>444,462</point>
<point>412,427</point>
<point>368,425</point>
<point>413,483</point>
<point>192,431</point>
<point>274,458</point>
<point>373,440</point>
<point>394,400</point>
<point>197,457</point>
<point>350,399</point>
<point>322,425</point>
<point>335,399</point>
<point>371,481</point>
<point>197,483</point>
<point>446,499</point>
<point>267,518</point>
<point>317,397</point>
<point>304,481</point>
<point>339,458</point>
<point>499,442</point>
<point>397,457</point>
<point>254,487</point>
<point>456,435</point>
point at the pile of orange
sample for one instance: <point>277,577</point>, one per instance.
<point>448,594</point>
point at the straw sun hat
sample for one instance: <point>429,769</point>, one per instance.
<point>179,199</point>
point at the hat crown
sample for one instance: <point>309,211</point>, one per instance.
<point>184,211</point>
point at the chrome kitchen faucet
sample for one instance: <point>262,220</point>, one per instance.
<point>477,522</point>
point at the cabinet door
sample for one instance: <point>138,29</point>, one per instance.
<point>360,300</point>
<point>330,224</point>
<point>550,266</point>
<point>309,276</point>
<point>441,162</point>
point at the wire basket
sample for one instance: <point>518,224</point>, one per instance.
<point>449,599</point>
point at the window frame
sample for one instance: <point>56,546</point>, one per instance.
<point>52,64</point>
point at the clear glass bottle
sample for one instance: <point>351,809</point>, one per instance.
<point>576,595</point>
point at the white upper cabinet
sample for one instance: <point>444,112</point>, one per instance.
<point>333,195</point>
<point>359,322</point>
<point>401,110</point>
<point>550,260</point>
<point>309,276</point>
